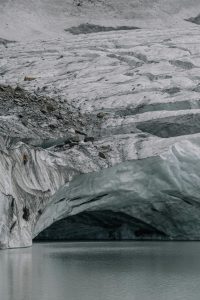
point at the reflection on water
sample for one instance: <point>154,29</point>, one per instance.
<point>102,271</point>
<point>15,274</point>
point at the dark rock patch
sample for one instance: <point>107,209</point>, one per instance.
<point>102,155</point>
<point>12,226</point>
<point>26,214</point>
<point>172,90</point>
<point>186,65</point>
<point>5,42</point>
<point>92,28</point>
<point>89,139</point>
<point>195,20</point>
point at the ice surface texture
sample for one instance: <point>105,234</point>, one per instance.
<point>101,122</point>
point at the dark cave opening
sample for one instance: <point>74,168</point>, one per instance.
<point>98,226</point>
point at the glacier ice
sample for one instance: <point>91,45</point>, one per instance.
<point>163,191</point>
<point>109,123</point>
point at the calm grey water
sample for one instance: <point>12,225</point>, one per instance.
<point>102,271</point>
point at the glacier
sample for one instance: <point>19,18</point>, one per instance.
<point>161,191</point>
<point>99,130</point>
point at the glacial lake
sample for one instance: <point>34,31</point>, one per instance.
<point>101,271</point>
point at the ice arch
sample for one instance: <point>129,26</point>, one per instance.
<point>161,191</point>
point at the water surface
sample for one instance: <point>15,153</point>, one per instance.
<point>102,271</point>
